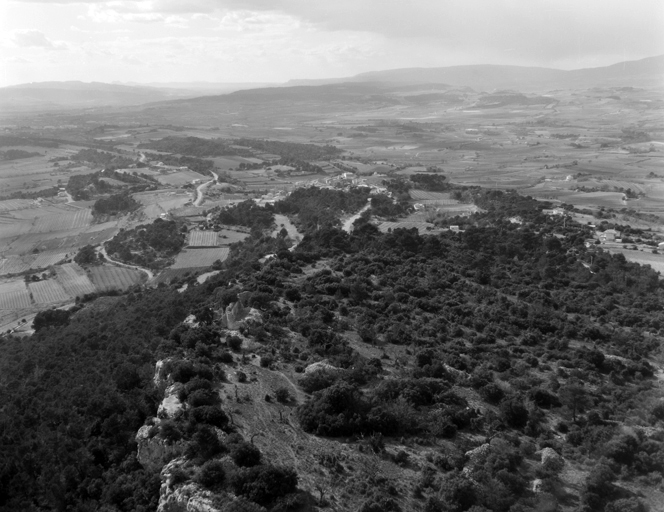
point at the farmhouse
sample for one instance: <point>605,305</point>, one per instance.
<point>609,235</point>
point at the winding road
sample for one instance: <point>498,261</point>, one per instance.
<point>202,187</point>
<point>102,250</point>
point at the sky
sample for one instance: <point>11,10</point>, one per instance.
<point>151,41</point>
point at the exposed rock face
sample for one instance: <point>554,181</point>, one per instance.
<point>551,460</point>
<point>237,315</point>
<point>160,376</point>
<point>476,459</point>
<point>186,498</point>
<point>170,406</point>
<point>154,452</point>
<point>320,365</point>
<point>536,485</point>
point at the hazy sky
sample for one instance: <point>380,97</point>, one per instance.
<point>276,40</point>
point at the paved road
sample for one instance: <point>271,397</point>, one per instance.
<point>201,188</point>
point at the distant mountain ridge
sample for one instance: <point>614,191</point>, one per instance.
<point>644,72</point>
<point>74,94</point>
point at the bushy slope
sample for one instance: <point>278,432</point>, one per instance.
<point>457,370</point>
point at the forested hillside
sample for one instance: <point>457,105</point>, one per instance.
<point>506,367</point>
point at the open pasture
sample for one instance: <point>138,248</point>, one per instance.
<point>422,227</point>
<point>606,199</point>
<point>191,258</point>
<point>14,295</point>
<point>108,277</point>
<point>170,274</point>
<point>63,222</point>
<point>74,280</point>
<point>230,236</point>
<point>178,178</point>
<point>197,238</point>
<point>48,292</point>
<point>656,261</point>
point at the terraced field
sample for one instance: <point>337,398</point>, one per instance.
<point>48,292</point>
<point>108,277</point>
<point>74,280</point>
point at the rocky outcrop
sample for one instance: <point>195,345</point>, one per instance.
<point>160,375</point>
<point>237,315</point>
<point>476,459</point>
<point>551,460</point>
<point>187,497</point>
<point>170,406</point>
<point>320,365</point>
<point>153,451</point>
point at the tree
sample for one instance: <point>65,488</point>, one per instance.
<point>575,397</point>
<point>86,256</point>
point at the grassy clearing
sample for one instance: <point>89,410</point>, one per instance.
<point>192,258</point>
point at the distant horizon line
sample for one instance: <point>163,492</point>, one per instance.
<point>261,82</point>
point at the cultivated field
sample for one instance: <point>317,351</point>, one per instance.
<point>74,280</point>
<point>197,238</point>
<point>48,292</point>
<point>191,258</point>
<point>107,277</point>
<point>14,295</point>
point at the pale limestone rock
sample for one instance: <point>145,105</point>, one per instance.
<point>551,460</point>
<point>476,459</point>
<point>536,485</point>
<point>153,452</point>
<point>170,406</point>
<point>320,365</point>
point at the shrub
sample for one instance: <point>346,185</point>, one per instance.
<point>202,397</point>
<point>245,454</point>
<point>282,395</point>
<point>169,431</point>
<point>204,443</point>
<point>318,380</point>
<point>241,376</point>
<point>266,361</point>
<point>264,484</point>
<point>226,357</point>
<point>514,412</point>
<point>336,411</point>
<point>209,414</point>
<point>492,393</point>
<point>234,342</point>
<point>211,474</point>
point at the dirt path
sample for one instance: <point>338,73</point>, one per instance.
<point>102,250</point>
<point>202,187</point>
<point>348,223</point>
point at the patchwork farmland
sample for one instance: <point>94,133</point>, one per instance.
<point>74,280</point>
<point>48,292</point>
<point>14,295</point>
